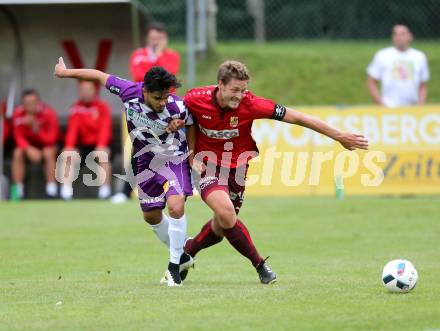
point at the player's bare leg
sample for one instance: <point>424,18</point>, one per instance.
<point>212,233</point>
<point>177,233</point>
<point>177,226</point>
<point>225,223</point>
<point>33,154</point>
<point>71,163</point>
<point>158,225</point>
<point>49,156</point>
<point>226,219</point>
<point>171,230</point>
<point>105,189</point>
<point>18,172</point>
<point>216,228</point>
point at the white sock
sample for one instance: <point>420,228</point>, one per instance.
<point>161,230</point>
<point>104,191</point>
<point>51,189</point>
<point>177,233</point>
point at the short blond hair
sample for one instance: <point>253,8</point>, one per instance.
<point>232,69</point>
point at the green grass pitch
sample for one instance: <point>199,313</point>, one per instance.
<point>90,265</point>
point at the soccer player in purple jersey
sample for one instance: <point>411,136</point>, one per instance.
<point>153,116</point>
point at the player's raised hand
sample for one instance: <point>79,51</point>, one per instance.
<point>175,125</point>
<point>60,68</point>
<point>352,141</point>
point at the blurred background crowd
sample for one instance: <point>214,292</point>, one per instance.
<point>300,52</point>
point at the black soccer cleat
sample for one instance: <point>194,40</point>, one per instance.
<point>265,273</point>
<point>186,262</point>
<point>173,276</point>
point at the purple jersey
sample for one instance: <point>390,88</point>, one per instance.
<point>161,156</point>
<point>146,127</point>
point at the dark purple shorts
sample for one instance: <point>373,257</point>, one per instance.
<point>161,179</point>
<point>232,181</point>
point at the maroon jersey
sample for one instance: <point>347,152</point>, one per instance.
<point>218,126</point>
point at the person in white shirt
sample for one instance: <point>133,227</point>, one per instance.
<point>402,71</point>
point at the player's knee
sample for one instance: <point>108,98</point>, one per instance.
<point>176,210</point>
<point>152,218</point>
<point>18,154</point>
<point>103,149</point>
<point>226,216</point>
<point>48,152</point>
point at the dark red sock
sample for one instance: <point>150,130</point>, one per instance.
<point>204,239</point>
<point>240,239</point>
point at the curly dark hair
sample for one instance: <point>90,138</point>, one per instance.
<point>158,79</point>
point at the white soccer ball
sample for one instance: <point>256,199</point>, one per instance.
<point>399,276</point>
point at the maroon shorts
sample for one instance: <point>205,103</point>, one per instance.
<point>232,181</point>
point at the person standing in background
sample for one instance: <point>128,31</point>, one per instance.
<point>402,71</point>
<point>155,53</point>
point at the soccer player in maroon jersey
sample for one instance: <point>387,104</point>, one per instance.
<point>222,143</point>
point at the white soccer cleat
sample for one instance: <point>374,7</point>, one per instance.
<point>164,279</point>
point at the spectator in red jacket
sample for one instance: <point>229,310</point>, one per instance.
<point>35,130</point>
<point>155,53</point>
<point>89,129</point>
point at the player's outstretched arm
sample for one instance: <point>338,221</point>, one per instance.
<point>195,163</point>
<point>191,140</point>
<point>349,140</point>
<point>84,74</point>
